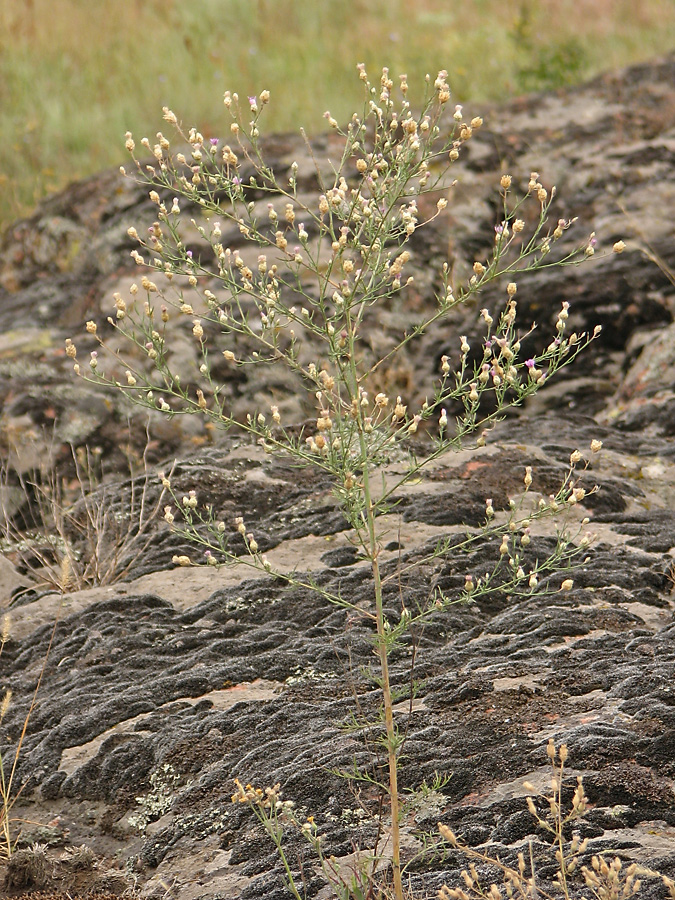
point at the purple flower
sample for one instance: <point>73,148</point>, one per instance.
<point>529,363</point>
<point>214,142</point>
<point>253,101</point>
<point>189,254</point>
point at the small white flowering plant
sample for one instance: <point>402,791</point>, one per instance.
<point>302,296</point>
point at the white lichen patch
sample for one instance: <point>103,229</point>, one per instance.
<point>309,673</point>
<point>163,784</point>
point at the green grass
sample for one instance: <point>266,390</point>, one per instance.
<point>75,75</point>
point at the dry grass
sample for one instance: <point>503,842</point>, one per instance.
<point>70,535</point>
<point>75,76</point>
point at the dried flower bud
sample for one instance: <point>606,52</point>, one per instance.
<point>148,285</point>
<point>412,428</point>
<point>181,560</point>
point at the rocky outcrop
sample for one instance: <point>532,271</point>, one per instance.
<point>162,689</point>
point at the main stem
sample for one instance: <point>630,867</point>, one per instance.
<point>386,689</point>
<point>373,554</point>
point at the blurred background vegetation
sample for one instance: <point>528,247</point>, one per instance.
<point>76,74</point>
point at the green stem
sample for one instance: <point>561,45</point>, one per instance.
<point>370,543</point>
<point>386,688</point>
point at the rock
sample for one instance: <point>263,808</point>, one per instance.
<point>160,690</point>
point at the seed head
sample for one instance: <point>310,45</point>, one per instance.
<point>4,704</point>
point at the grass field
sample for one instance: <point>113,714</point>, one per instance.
<point>76,74</point>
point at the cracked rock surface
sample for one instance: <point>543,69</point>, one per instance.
<point>161,689</point>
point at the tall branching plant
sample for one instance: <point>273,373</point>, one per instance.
<point>304,301</point>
